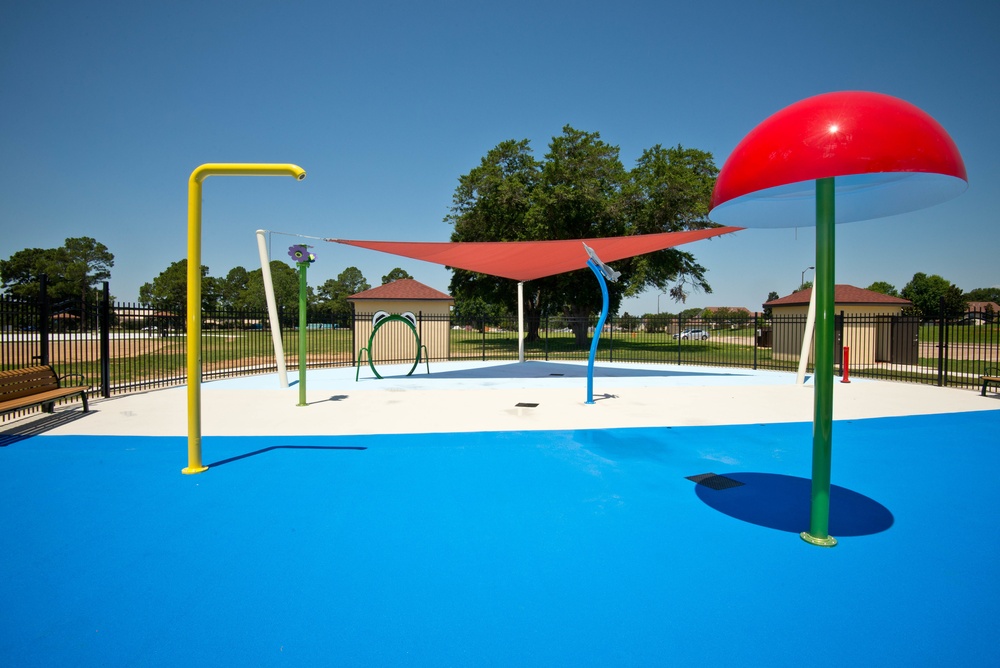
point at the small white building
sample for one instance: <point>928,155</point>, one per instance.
<point>874,328</point>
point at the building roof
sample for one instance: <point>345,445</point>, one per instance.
<point>842,294</point>
<point>403,289</point>
<point>983,306</point>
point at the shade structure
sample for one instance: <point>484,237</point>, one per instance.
<point>530,260</point>
<point>889,157</point>
<point>835,158</point>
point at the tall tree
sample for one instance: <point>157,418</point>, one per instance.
<point>21,271</point>
<point>233,288</point>
<point>285,281</point>
<point>333,293</point>
<point>88,262</point>
<point>168,291</point>
<point>395,275</point>
<point>983,295</point>
<point>926,293</point>
<point>580,190</point>
<point>884,288</point>
<point>771,296</point>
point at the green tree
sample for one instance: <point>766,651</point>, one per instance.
<point>21,271</point>
<point>233,288</point>
<point>628,323</point>
<point>285,280</point>
<point>926,293</point>
<point>395,275</point>
<point>983,295</point>
<point>477,312</point>
<point>580,190</point>
<point>168,291</point>
<point>333,293</point>
<point>72,271</point>
<point>771,296</point>
<point>883,288</point>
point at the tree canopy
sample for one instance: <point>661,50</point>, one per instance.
<point>71,270</point>
<point>882,287</point>
<point>926,293</point>
<point>579,190</point>
<point>394,275</point>
<point>334,292</point>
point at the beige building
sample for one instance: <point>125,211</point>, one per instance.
<point>394,340</point>
<point>874,328</point>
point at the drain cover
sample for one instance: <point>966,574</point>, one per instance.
<point>557,374</point>
<point>526,405</point>
<point>716,482</point>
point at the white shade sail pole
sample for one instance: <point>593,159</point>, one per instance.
<point>272,308</point>
<point>520,321</point>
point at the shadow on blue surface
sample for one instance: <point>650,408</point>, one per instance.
<point>534,369</point>
<point>782,502</point>
<point>230,460</point>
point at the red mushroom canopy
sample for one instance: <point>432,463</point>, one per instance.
<point>889,156</point>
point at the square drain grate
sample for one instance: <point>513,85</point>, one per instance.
<point>716,482</point>
<point>526,405</point>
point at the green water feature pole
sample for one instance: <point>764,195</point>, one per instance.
<point>819,513</point>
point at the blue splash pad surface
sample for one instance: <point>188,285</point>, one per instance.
<point>584,548</point>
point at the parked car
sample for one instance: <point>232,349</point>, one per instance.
<point>693,334</point>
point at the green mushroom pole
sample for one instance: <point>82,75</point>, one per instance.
<point>819,513</point>
<point>303,330</point>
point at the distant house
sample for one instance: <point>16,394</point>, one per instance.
<point>393,342</point>
<point>874,327</point>
<point>980,313</point>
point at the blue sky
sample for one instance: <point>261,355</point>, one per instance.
<point>109,106</point>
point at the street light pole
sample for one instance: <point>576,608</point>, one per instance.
<point>662,294</point>
<point>802,277</point>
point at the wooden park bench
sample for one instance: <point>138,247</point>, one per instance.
<point>31,386</point>
<point>992,375</point>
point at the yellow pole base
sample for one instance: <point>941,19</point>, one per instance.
<point>829,541</point>
<point>191,470</point>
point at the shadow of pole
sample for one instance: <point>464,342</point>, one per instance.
<point>782,502</point>
<point>237,458</point>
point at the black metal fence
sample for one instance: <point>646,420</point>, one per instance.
<point>122,348</point>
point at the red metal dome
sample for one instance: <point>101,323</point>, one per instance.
<point>889,156</point>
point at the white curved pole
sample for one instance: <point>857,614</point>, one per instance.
<point>272,308</point>
<point>807,337</point>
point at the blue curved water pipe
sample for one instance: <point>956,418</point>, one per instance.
<point>597,332</point>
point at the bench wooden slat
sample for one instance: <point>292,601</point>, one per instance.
<point>20,388</point>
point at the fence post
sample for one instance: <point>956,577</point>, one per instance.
<point>43,319</point>
<point>104,326</point>
<point>756,341</point>
<point>546,337</point>
<point>680,322</point>
<point>482,326</point>
<point>942,342</point>
<point>611,338</point>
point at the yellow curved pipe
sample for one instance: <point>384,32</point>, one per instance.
<point>194,286</point>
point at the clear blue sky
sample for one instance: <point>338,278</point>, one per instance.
<point>108,106</point>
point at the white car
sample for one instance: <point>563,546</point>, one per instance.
<point>693,334</point>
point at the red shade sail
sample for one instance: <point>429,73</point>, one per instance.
<point>529,260</point>
<point>889,157</point>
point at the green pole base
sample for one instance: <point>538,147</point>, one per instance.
<point>829,541</point>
